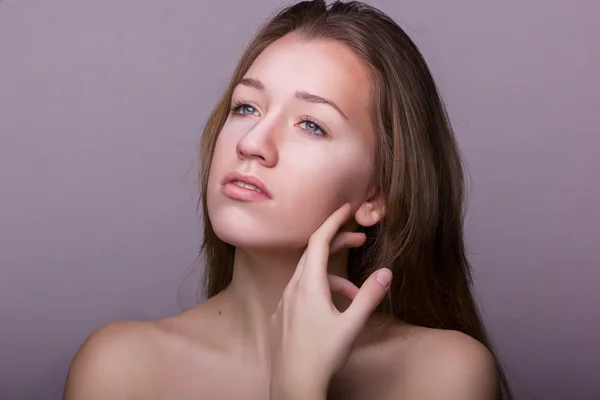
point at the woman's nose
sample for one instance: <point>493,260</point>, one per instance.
<point>260,144</point>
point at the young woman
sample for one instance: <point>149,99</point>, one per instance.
<point>332,191</point>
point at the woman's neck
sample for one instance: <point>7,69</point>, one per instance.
<point>259,279</point>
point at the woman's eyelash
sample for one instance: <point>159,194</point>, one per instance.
<point>316,124</point>
<point>237,106</point>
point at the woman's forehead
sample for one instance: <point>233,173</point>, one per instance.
<point>322,67</point>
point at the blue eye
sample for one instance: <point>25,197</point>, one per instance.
<point>243,109</point>
<point>312,127</point>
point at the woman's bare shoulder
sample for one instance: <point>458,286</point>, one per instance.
<point>112,360</point>
<point>445,363</point>
<point>127,358</point>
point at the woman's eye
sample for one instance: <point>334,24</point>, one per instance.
<point>244,109</point>
<point>311,127</point>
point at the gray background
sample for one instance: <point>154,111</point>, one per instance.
<point>101,108</point>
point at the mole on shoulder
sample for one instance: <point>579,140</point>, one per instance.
<point>219,312</point>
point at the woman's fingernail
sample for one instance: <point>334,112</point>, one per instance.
<point>384,277</point>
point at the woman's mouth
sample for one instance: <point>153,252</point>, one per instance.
<point>245,187</point>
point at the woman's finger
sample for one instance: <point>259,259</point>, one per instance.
<point>317,252</point>
<point>343,286</point>
<point>344,240</point>
<point>368,298</point>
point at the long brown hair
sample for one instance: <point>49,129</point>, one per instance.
<point>418,169</point>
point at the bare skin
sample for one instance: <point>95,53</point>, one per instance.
<point>197,354</point>
<point>217,351</point>
<point>221,349</point>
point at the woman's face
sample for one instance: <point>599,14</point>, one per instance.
<point>300,124</point>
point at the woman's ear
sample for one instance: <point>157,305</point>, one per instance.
<point>372,210</point>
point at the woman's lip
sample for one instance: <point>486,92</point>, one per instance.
<point>249,179</point>
<point>236,192</point>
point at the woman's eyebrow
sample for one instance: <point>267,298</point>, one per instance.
<point>313,98</point>
<point>300,94</point>
<point>253,83</point>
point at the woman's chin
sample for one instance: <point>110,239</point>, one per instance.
<point>259,240</point>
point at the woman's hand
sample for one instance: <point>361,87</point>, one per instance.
<point>311,339</point>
